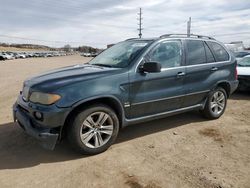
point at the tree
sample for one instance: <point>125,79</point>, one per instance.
<point>67,48</point>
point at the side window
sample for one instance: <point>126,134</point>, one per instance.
<point>219,52</point>
<point>167,53</point>
<point>195,52</point>
<point>210,57</point>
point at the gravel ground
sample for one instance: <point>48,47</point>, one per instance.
<point>180,151</point>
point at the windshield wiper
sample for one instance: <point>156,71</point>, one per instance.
<point>102,65</point>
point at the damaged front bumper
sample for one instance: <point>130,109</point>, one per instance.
<point>47,129</point>
<point>47,139</point>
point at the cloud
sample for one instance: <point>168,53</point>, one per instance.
<point>98,23</point>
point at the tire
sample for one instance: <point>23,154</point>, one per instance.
<point>93,130</point>
<point>216,104</point>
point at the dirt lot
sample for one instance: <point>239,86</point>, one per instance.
<point>181,151</point>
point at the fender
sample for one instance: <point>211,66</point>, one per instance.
<point>118,102</point>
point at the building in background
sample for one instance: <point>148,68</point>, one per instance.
<point>235,46</point>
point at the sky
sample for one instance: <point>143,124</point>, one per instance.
<point>98,23</point>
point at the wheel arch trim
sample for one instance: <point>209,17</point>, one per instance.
<point>97,99</point>
<point>225,85</point>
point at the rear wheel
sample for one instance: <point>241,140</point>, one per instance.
<point>94,130</point>
<point>215,104</point>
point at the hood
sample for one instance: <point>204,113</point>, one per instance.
<point>55,79</point>
<point>243,71</point>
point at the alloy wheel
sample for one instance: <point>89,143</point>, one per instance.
<point>217,103</point>
<point>96,130</point>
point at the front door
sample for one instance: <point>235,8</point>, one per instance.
<point>152,93</point>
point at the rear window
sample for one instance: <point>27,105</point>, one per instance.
<point>219,52</point>
<point>195,52</point>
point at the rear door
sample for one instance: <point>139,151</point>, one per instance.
<point>200,62</point>
<point>152,93</point>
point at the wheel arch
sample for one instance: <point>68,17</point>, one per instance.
<point>110,101</point>
<point>226,86</point>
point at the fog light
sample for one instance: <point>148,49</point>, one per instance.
<point>38,115</point>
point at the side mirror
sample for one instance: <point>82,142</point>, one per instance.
<point>150,67</point>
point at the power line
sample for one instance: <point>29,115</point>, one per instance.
<point>32,39</point>
<point>49,41</point>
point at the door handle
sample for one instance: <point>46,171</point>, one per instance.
<point>214,69</point>
<point>180,74</point>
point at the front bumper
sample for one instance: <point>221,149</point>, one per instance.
<point>47,130</point>
<point>47,140</point>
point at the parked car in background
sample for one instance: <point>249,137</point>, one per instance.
<point>2,57</point>
<point>134,81</point>
<point>94,54</point>
<point>86,54</point>
<point>241,54</point>
<point>244,73</point>
<point>19,55</point>
<point>7,56</point>
<point>29,54</point>
<point>16,55</point>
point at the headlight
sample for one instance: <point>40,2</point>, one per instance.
<point>44,98</point>
<point>25,93</point>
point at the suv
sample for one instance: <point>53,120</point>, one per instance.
<point>134,81</point>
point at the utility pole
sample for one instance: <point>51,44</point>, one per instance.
<point>189,27</point>
<point>140,23</point>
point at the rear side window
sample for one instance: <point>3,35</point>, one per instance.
<point>210,57</point>
<point>219,52</point>
<point>195,52</point>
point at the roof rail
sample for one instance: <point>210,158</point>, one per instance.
<point>186,35</point>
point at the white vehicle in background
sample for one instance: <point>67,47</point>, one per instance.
<point>243,68</point>
<point>239,55</point>
<point>86,54</point>
<point>7,56</point>
<point>20,55</point>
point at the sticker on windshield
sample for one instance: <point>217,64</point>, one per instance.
<point>139,44</point>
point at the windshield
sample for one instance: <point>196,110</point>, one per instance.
<point>245,62</point>
<point>119,55</point>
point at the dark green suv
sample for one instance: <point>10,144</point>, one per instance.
<point>133,81</point>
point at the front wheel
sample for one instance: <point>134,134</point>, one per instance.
<point>216,104</point>
<point>94,130</point>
